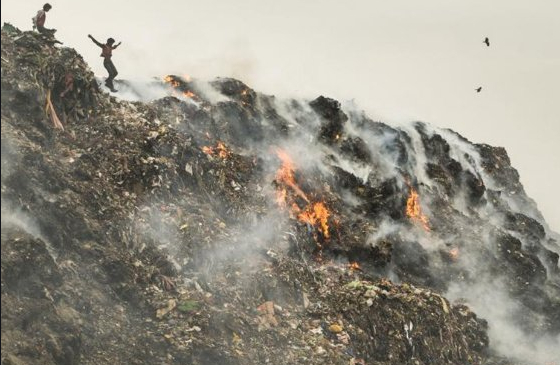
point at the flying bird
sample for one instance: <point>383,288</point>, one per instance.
<point>487,41</point>
<point>478,89</point>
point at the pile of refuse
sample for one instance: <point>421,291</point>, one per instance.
<point>221,225</point>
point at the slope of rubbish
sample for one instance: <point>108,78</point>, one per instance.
<point>221,225</point>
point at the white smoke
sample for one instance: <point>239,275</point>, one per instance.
<point>13,215</point>
<point>209,92</point>
<point>489,300</point>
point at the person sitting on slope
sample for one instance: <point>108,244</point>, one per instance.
<point>39,21</point>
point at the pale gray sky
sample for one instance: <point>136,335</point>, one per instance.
<point>400,60</point>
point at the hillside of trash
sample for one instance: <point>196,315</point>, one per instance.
<point>220,225</point>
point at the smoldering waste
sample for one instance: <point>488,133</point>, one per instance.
<point>242,229</point>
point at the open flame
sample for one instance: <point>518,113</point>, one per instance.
<point>354,266</point>
<point>220,150</point>
<point>286,175</point>
<point>173,81</point>
<point>414,211</point>
<point>314,214</point>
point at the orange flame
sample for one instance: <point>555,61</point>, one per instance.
<point>176,84</point>
<point>286,174</point>
<point>315,214</point>
<point>322,215</point>
<point>354,266</point>
<point>189,94</point>
<point>220,150</point>
<point>171,80</point>
<point>413,210</point>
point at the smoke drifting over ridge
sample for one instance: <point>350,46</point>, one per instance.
<point>404,60</point>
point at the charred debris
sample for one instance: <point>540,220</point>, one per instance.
<point>242,229</point>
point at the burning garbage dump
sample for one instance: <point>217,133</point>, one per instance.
<point>148,227</point>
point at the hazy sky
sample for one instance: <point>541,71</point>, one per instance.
<point>401,60</point>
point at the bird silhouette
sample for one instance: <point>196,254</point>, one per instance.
<point>487,41</point>
<point>478,89</point>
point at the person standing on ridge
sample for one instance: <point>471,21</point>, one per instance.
<point>106,53</point>
<point>39,20</point>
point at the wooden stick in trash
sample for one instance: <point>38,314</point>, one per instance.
<point>49,109</point>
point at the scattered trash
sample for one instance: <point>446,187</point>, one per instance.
<point>335,328</point>
<point>171,304</point>
<point>444,305</point>
<point>266,315</point>
<point>188,306</point>
<point>49,109</point>
<point>305,299</point>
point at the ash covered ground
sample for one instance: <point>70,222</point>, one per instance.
<point>218,225</point>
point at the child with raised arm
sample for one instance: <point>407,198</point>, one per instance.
<point>106,53</point>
